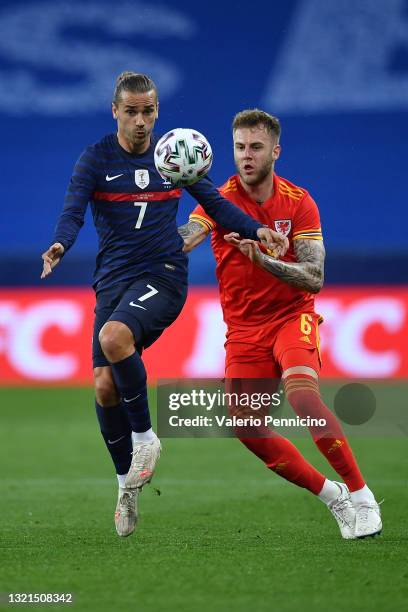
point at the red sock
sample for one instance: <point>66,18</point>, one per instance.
<point>303,394</point>
<point>282,457</point>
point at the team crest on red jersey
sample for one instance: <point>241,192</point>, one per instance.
<point>283,226</point>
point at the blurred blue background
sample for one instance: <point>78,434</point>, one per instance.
<point>334,71</point>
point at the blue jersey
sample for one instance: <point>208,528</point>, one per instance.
<point>134,211</point>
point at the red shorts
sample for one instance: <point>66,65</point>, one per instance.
<point>268,350</point>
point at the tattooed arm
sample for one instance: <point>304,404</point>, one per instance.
<point>307,272</point>
<point>193,233</point>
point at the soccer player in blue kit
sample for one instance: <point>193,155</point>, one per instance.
<point>140,278</point>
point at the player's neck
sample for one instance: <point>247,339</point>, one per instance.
<point>261,191</point>
<point>131,147</point>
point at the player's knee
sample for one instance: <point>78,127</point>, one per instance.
<point>116,341</point>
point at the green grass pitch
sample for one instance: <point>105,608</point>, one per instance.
<point>223,534</point>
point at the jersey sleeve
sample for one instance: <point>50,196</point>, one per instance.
<point>222,211</point>
<point>306,222</point>
<point>201,217</point>
<point>80,189</point>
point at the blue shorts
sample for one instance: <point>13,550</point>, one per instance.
<point>146,305</point>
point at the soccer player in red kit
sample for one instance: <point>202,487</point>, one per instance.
<point>268,306</point>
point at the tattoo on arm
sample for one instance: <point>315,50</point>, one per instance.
<point>307,272</point>
<point>193,233</point>
<point>190,229</point>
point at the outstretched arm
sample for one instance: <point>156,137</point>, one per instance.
<point>306,273</point>
<point>193,233</point>
<point>231,217</point>
<point>223,211</point>
<point>80,188</point>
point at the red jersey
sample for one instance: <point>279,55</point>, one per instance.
<point>250,295</point>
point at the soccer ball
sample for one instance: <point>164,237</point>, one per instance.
<point>183,156</point>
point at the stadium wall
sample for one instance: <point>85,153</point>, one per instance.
<point>45,336</point>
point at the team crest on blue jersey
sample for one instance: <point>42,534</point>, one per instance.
<point>142,178</point>
<point>283,226</point>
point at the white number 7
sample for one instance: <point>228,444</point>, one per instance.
<point>143,206</point>
<point>148,295</point>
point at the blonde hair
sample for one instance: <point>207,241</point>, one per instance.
<point>253,117</point>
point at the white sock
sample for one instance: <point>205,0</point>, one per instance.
<point>121,480</point>
<point>330,491</point>
<point>144,436</point>
<point>362,495</point>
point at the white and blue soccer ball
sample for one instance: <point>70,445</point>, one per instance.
<point>183,156</point>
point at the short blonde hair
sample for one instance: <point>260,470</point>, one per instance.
<point>253,117</point>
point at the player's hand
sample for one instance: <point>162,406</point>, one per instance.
<point>250,249</point>
<point>276,251</point>
<point>275,242</point>
<point>233,238</point>
<point>51,258</point>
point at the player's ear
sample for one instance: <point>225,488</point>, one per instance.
<point>114,111</point>
<point>276,151</point>
<point>157,109</point>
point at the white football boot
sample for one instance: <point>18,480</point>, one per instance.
<point>344,512</point>
<point>144,459</point>
<point>368,520</point>
<point>126,512</point>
